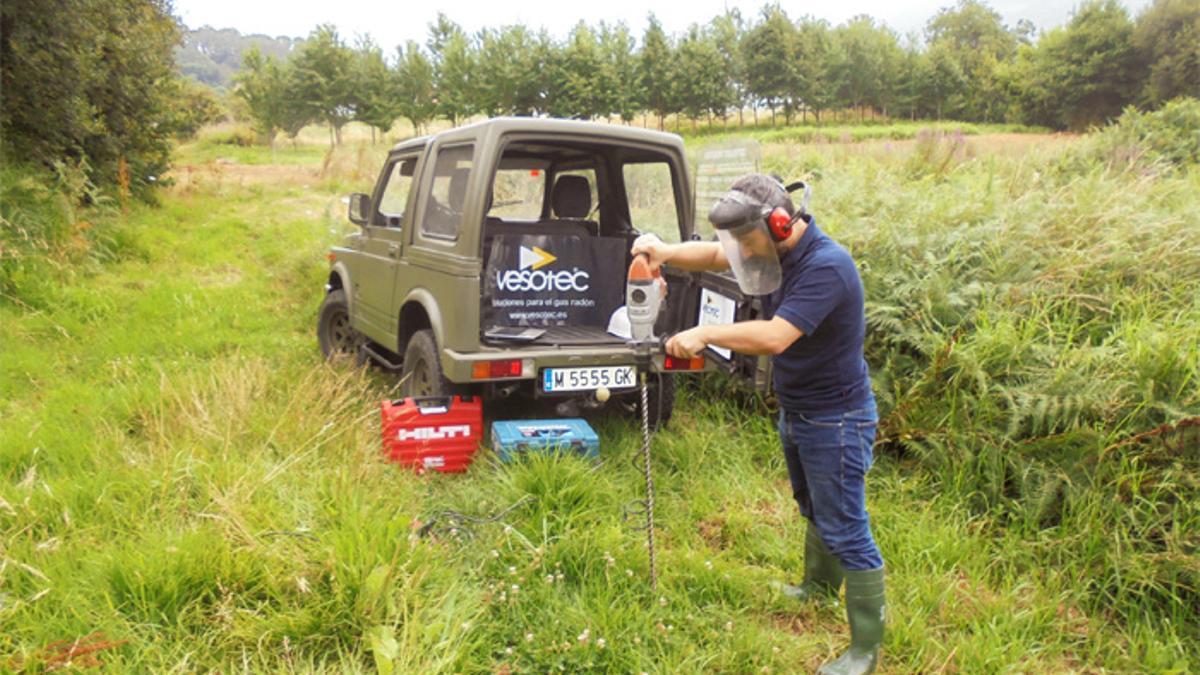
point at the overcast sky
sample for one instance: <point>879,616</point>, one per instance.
<point>391,23</point>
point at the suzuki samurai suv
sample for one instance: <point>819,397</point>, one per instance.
<point>492,259</point>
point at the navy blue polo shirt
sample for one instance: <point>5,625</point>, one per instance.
<point>822,372</point>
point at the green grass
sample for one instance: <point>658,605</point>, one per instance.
<point>181,473</point>
<point>285,153</point>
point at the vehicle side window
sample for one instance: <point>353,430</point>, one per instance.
<point>651,193</point>
<point>448,192</point>
<point>395,194</point>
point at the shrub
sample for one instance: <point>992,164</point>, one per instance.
<point>33,217</point>
<point>937,152</point>
<point>240,136</point>
<point>51,221</point>
<point>91,79</point>
<point>194,106</point>
<point>1149,141</point>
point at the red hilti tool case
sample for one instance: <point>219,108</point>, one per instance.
<point>439,433</point>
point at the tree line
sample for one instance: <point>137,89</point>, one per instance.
<point>92,85</point>
<point>966,65</point>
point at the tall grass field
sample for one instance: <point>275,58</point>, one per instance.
<point>186,486</point>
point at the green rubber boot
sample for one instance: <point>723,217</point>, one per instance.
<point>822,571</point>
<point>864,609</point>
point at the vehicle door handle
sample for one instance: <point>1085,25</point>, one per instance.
<point>393,250</point>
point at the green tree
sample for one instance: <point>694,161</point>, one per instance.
<point>974,29</point>
<point>701,81</point>
<point>453,68</point>
<point>813,67</point>
<point>575,75</point>
<point>727,30</point>
<point>89,81</point>
<point>914,71</point>
<point>323,78</point>
<point>509,66</point>
<point>943,85</point>
<point>975,37</point>
<point>498,71</point>
<point>414,85</point>
<point>1167,39</point>
<point>271,100</point>
<point>618,75</point>
<point>535,89</point>
<point>767,50</point>
<point>1081,74</point>
<point>373,95</point>
<point>870,54</point>
<point>655,70</point>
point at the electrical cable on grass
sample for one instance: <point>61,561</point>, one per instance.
<point>449,522</point>
<point>289,533</point>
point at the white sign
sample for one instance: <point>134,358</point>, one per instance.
<point>587,379</point>
<point>434,433</point>
<point>543,280</point>
<point>716,310</point>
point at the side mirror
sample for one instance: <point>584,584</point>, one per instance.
<point>360,208</point>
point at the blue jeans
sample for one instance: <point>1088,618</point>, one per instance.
<point>827,458</point>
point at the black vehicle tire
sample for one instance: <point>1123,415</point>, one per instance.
<point>422,374</point>
<point>661,407</point>
<point>337,337</point>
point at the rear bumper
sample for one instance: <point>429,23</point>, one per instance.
<point>457,365</point>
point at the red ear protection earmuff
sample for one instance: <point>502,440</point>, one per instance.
<point>779,223</point>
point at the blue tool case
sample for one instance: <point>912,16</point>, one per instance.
<point>513,438</point>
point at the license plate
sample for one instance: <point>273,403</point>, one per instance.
<point>588,379</point>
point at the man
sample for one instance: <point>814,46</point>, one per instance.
<point>814,330</point>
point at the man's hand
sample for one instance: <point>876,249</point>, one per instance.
<point>744,337</point>
<point>693,256</point>
<point>656,250</point>
<point>687,344</point>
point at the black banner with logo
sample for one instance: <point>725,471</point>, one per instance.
<point>553,280</point>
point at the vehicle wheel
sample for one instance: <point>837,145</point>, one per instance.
<point>660,407</point>
<point>422,369</point>
<point>337,337</point>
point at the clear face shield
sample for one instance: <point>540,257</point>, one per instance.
<point>741,225</point>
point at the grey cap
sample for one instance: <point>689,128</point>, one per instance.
<point>751,197</point>
<point>767,190</point>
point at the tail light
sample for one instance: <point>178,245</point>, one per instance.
<point>491,370</point>
<point>677,364</point>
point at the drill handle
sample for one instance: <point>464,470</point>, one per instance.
<point>656,272</point>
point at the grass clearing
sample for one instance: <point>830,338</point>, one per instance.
<point>181,473</point>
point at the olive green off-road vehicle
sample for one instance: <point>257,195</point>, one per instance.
<point>491,259</point>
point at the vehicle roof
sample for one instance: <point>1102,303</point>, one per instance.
<point>534,125</point>
<point>411,142</point>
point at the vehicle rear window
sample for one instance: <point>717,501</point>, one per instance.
<point>652,199</point>
<point>448,192</point>
<point>518,193</point>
